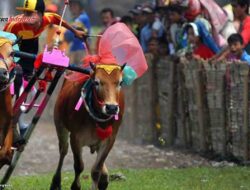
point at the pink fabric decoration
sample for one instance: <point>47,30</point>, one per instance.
<point>217,16</point>
<point>119,45</point>
<point>79,104</point>
<point>12,89</point>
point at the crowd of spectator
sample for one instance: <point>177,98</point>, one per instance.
<point>200,27</point>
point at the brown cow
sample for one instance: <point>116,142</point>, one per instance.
<point>86,125</point>
<point>6,131</point>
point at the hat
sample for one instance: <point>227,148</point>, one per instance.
<point>148,10</point>
<point>31,5</point>
<point>136,10</point>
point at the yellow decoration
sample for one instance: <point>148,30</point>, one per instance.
<point>158,126</point>
<point>108,68</point>
<point>4,41</point>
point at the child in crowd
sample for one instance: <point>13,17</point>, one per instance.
<point>153,46</point>
<point>158,47</point>
<point>176,28</point>
<point>153,28</point>
<point>200,50</point>
<point>236,46</point>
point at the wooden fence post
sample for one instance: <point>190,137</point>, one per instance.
<point>197,105</point>
<point>165,69</point>
<point>238,110</point>
<point>144,101</point>
<point>245,135</point>
<point>183,139</point>
<point>216,91</point>
<point>127,130</point>
<point>204,125</point>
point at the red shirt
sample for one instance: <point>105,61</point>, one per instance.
<point>245,30</point>
<point>203,51</point>
<point>26,31</point>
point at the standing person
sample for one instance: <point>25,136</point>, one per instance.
<point>107,17</point>
<point>139,19</point>
<point>240,11</point>
<point>177,21</point>
<point>153,28</point>
<point>236,46</point>
<point>81,22</point>
<point>30,26</point>
<point>200,50</point>
<point>212,15</point>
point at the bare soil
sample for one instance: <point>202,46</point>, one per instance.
<point>41,155</point>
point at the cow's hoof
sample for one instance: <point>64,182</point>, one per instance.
<point>75,186</point>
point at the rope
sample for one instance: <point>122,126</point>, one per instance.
<point>66,3</point>
<point>87,88</point>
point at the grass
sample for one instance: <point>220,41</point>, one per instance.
<point>236,178</point>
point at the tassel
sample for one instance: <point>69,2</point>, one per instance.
<point>38,61</point>
<point>104,133</point>
<point>42,85</point>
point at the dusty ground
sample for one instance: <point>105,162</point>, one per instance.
<point>41,155</point>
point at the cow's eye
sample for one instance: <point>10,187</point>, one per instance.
<point>96,83</point>
<point>120,83</point>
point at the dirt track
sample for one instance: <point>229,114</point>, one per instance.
<point>41,155</point>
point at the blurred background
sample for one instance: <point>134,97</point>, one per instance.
<point>142,122</point>
<point>93,7</point>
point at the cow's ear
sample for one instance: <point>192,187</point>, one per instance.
<point>123,66</point>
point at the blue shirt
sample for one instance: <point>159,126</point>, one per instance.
<point>146,34</point>
<point>82,21</point>
<point>245,57</point>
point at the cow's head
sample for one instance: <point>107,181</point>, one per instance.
<point>107,81</point>
<point>6,59</point>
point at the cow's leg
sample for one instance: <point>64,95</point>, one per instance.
<point>99,171</point>
<point>9,140</point>
<point>78,163</point>
<point>104,178</point>
<point>63,135</point>
<point>5,151</point>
